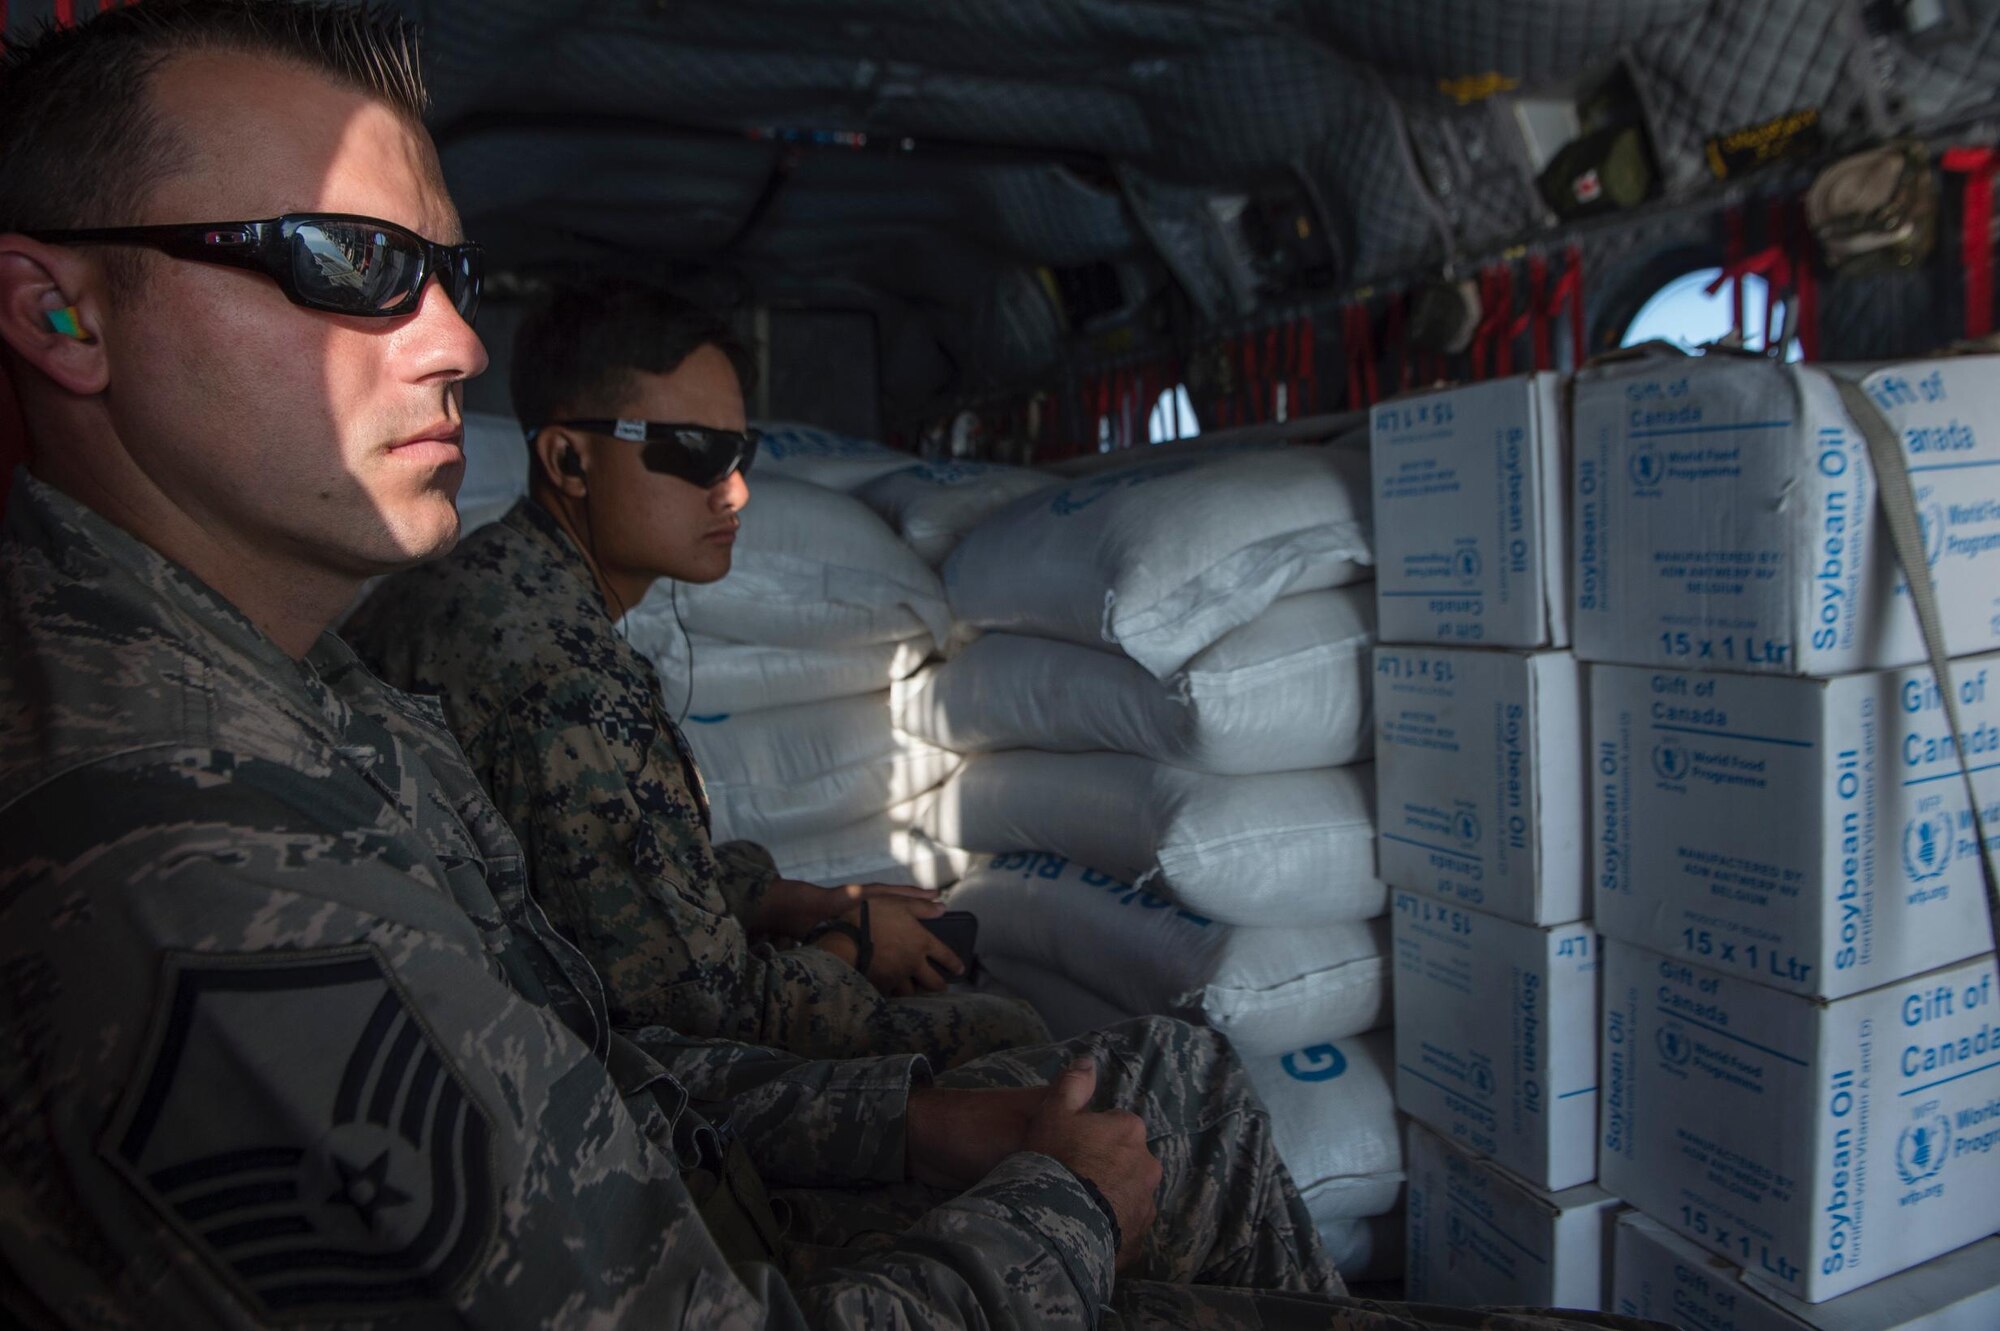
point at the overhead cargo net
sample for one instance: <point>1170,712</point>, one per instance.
<point>1160,559</point>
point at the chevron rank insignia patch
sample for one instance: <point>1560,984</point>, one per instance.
<point>296,1123</point>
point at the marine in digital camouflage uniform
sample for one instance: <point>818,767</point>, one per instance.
<point>288,1041</point>
<point>563,722</point>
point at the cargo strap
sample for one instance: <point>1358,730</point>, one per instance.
<point>1567,299</point>
<point>1978,166</point>
<point>1362,386</point>
<point>1899,514</point>
<point>1493,338</point>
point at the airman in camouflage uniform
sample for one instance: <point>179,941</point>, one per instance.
<point>563,722</point>
<point>287,1040</point>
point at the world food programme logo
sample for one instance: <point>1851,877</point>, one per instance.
<point>1931,520</point>
<point>1922,1150</point>
<point>1670,761</point>
<point>1468,564</point>
<point>1927,846</point>
<point>1674,1044</point>
<point>1320,1062</point>
<point>1466,827</point>
<point>1646,469</point>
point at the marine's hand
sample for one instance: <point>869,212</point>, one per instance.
<point>791,908</point>
<point>1108,1148</point>
<point>904,949</point>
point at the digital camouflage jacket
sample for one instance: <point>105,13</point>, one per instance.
<point>563,722</point>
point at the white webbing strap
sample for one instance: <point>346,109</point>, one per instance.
<point>1899,514</point>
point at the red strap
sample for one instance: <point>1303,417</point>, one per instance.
<point>1308,372</point>
<point>1399,338</point>
<point>1247,350</point>
<point>1805,280</point>
<point>1492,339</point>
<point>1225,415</point>
<point>1362,386</point>
<point>1978,165</point>
<point>1732,254</point>
<point>1772,264</point>
<point>1267,387</point>
<point>1288,378</point>
<point>65,13</point>
<point>1542,346</point>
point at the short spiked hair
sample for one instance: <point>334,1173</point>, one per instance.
<point>579,346</point>
<point>80,142</point>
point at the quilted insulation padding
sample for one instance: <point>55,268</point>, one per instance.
<point>678,195</point>
<point>1364,170</point>
<point>1534,41</point>
<point>1472,160</point>
<point>1742,64</point>
<point>1934,80</point>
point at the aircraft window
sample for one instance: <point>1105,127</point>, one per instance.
<point>1173,417</point>
<point>1682,312</point>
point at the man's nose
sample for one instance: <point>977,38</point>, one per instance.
<point>445,346</point>
<point>731,495</point>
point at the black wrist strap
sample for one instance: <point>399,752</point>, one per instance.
<point>864,944</point>
<point>1104,1205</point>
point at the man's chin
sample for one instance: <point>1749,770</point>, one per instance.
<point>701,569</point>
<point>423,531</point>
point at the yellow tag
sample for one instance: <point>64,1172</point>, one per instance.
<point>1469,88</point>
<point>1794,135</point>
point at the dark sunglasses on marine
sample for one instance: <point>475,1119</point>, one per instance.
<point>698,454</point>
<point>341,263</point>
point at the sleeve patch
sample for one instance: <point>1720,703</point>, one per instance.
<point>295,1121</point>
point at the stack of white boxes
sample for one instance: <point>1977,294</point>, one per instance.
<point>1801,1045</point>
<point>1481,793</point>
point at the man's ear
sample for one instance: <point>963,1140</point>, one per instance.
<point>52,314</point>
<point>562,461</point>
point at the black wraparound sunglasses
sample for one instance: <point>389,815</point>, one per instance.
<point>338,262</point>
<point>698,454</point>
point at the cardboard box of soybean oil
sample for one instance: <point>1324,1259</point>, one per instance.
<point>1475,1234</point>
<point>1725,514</point>
<point>1479,779</point>
<point>1818,1145</point>
<point>1470,518</point>
<point>1496,1036</point>
<point>1658,1275</point>
<point>1811,834</point>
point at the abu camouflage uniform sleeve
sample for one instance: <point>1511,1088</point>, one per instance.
<point>805,1122</point>
<point>620,859</point>
<point>263,1070</point>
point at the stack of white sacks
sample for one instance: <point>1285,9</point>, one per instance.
<point>1162,690</point>
<point>780,673</point>
<point>1801,1036</point>
<point>1479,754</point>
